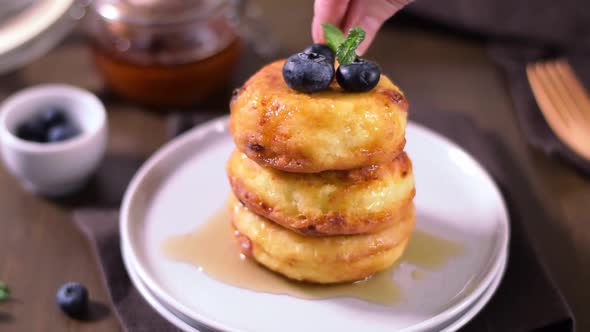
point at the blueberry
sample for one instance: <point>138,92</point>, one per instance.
<point>52,116</point>
<point>31,130</point>
<point>322,49</point>
<point>72,298</point>
<point>61,132</point>
<point>359,76</point>
<point>308,72</point>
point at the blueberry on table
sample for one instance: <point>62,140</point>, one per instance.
<point>308,72</point>
<point>359,76</point>
<point>72,298</point>
<point>31,130</point>
<point>322,49</point>
<point>61,133</point>
<point>52,116</point>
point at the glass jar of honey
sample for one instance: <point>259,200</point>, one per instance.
<point>165,53</point>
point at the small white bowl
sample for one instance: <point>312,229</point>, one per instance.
<point>53,169</point>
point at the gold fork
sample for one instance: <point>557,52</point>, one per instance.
<point>563,101</point>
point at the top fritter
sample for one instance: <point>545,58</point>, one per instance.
<point>309,133</point>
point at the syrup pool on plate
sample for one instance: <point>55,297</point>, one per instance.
<point>212,249</point>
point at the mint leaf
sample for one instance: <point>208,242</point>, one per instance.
<point>4,291</point>
<point>346,52</point>
<point>345,48</point>
<point>334,37</point>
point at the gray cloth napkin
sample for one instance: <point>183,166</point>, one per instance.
<point>552,23</point>
<point>526,300</point>
<point>101,228</point>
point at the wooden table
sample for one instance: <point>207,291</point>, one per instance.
<point>40,248</point>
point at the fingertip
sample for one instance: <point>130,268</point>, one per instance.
<point>313,31</point>
<point>316,31</point>
<point>371,27</point>
<point>363,47</point>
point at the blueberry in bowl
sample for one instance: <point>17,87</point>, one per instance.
<point>50,125</point>
<point>62,132</point>
<point>32,131</point>
<point>53,116</point>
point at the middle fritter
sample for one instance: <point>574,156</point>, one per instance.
<point>363,200</point>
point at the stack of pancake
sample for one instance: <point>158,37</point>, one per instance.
<point>322,189</point>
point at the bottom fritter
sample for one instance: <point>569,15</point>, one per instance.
<point>324,260</point>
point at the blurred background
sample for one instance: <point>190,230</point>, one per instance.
<point>185,51</point>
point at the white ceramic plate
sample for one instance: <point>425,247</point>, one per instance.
<point>185,324</point>
<point>151,299</point>
<point>184,183</point>
<point>483,300</point>
<point>31,28</point>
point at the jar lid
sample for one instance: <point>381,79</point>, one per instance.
<point>150,12</point>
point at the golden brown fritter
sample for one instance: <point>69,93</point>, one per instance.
<point>308,133</point>
<point>358,201</point>
<point>323,260</point>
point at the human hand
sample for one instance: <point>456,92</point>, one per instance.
<point>345,14</point>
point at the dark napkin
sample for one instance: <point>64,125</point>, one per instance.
<point>526,300</point>
<point>561,23</point>
<point>101,227</point>
<point>512,58</point>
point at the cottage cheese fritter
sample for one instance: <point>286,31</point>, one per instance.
<point>363,200</point>
<point>324,260</point>
<point>312,132</point>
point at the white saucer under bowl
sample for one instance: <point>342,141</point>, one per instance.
<point>184,184</point>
